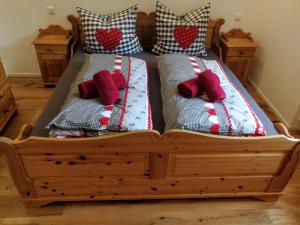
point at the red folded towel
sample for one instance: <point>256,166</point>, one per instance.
<point>190,88</point>
<point>107,90</point>
<point>87,89</point>
<point>210,82</point>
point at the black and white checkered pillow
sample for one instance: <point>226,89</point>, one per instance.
<point>185,34</point>
<point>113,34</point>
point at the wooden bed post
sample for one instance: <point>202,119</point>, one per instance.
<point>24,132</point>
<point>75,32</point>
<point>282,130</point>
<point>216,39</point>
<point>22,182</point>
<point>216,34</point>
<point>279,182</point>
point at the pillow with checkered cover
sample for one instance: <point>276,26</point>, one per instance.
<point>181,34</point>
<point>111,34</point>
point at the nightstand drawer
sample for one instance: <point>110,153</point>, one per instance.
<point>240,66</point>
<point>52,66</point>
<point>7,101</point>
<point>241,52</point>
<point>7,109</point>
<point>3,88</point>
<point>52,49</point>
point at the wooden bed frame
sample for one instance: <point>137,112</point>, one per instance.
<point>147,165</point>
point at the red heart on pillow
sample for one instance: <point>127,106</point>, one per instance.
<point>109,39</point>
<point>185,35</point>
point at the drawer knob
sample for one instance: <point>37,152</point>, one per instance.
<point>242,52</point>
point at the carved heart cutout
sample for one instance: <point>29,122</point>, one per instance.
<point>185,35</point>
<point>109,39</point>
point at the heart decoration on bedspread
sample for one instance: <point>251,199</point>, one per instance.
<point>213,118</point>
<point>212,112</point>
<point>106,114</point>
<point>185,35</point>
<point>214,129</point>
<point>104,121</point>
<point>109,39</point>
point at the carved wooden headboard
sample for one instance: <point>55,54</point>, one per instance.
<point>145,29</point>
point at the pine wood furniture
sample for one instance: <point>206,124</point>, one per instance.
<point>53,48</point>
<point>238,50</point>
<point>147,165</point>
<point>8,105</point>
<point>242,211</point>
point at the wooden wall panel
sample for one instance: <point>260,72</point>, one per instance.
<point>225,164</point>
<point>85,165</point>
<point>94,187</point>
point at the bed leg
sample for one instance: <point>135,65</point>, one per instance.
<point>23,183</point>
<point>34,203</point>
<point>271,198</point>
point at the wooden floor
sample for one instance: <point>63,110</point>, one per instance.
<point>32,97</point>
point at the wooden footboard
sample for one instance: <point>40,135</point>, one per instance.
<point>147,165</point>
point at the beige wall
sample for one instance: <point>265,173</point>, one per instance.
<point>275,74</point>
<point>276,70</point>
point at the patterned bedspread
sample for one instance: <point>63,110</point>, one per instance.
<point>89,115</point>
<point>232,116</point>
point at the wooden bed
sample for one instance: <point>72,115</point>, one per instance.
<point>147,165</point>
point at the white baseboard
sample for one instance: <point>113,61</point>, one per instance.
<point>270,105</point>
<point>24,75</point>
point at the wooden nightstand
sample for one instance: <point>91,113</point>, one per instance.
<point>53,48</point>
<point>8,105</point>
<point>238,50</point>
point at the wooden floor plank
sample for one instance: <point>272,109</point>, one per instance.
<point>32,97</point>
